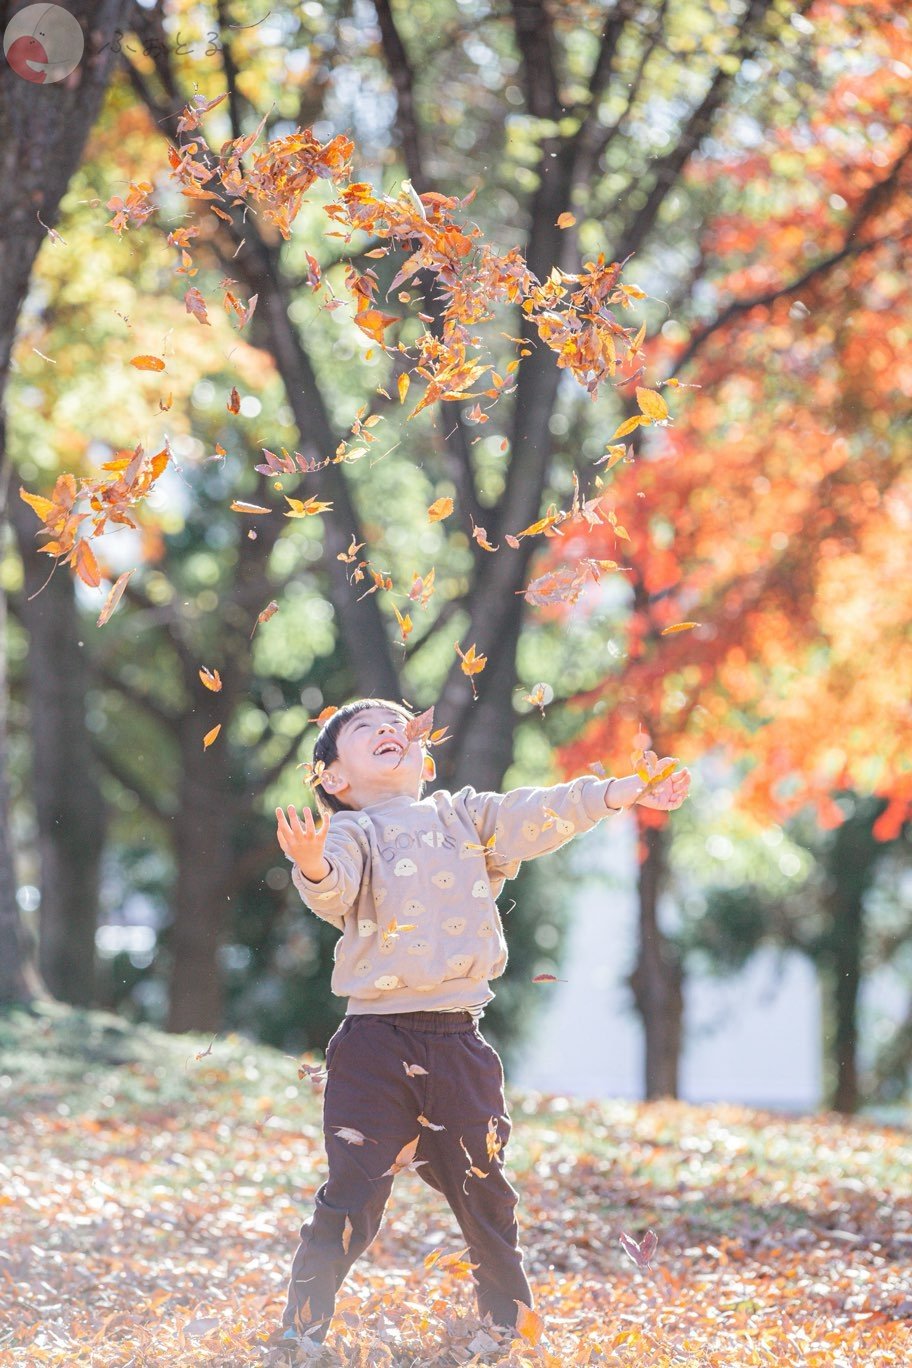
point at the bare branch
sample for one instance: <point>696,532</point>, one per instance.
<point>167,719</point>
<point>667,169</point>
<point>129,781</point>
<point>741,306</point>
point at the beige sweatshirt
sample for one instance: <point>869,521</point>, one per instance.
<point>412,885</point>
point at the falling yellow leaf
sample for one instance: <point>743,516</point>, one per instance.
<point>679,627</point>
<point>628,426</point>
<point>403,386</point>
<point>612,456</point>
<point>440,508</point>
<point>565,220</point>
<point>210,736</point>
<point>240,506</point>
<point>652,404</point>
<point>152,363</point>
<point>305,508</point>
<point>471,663</point>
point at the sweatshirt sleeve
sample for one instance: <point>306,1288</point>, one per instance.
<point>332,896</point>
<point>527,822</point>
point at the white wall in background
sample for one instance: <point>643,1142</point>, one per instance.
<point>753,1039</point>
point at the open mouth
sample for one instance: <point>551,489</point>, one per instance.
<point>388,747</point>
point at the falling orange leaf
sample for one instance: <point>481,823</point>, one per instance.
<point>679,627</point>
<point>150,363</point>
<point>241,506</point>
<point>195,304</point>
<point>565,220</point>
<point>211,735</point>
<point>113,598</point>
<point>271,607</point>
<point>440,508</point>
<point>211,679</point>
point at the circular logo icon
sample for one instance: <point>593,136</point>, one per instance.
<point>43,43</point>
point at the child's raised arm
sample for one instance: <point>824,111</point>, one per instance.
<point>328,862</point>
<point>527,822</point>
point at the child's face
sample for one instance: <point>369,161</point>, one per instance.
<point>375,760</point>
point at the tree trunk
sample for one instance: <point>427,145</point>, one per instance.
<point>18,979</point>
<point>69,808</point>
<point>203,849</point>
<point>847,922</point>
<point>657,979</point>
<point>42,133</point>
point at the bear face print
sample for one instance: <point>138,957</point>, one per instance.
<point>404,868</point>
<point>391,832</point>
<point>486,929</point>
<point>531,830</point>
<point>444,878</point>
<point>366,927</point>
<point>363,821</point>
<point>460,964</point>
<point>468,850</point>
<point>480,889</point>
<point>387,981</point>
<point>363,966</point>
<point>419,947</point>
<point>454,925</point>
<point>564,827</point>
<point>413,907</point>
<point>380,897</point>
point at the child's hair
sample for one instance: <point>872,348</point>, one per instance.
<point>325,747</point>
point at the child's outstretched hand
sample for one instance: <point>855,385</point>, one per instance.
<point>303,842</point>
<point>671,791</point>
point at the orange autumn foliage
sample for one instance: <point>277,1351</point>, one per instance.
<point>777,513</point>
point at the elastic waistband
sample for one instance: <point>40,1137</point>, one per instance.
<point>441,1023</point>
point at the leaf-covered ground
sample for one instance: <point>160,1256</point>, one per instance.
<point>150,1202</point>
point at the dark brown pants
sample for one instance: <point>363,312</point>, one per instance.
<point>369,1090</point>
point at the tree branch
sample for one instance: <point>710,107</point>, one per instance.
<point>456,440</point>
<point>163,716</point>
<point>129,782</point>
<point>668,168</point>
<point>367,643</point>
<point>740,306</point>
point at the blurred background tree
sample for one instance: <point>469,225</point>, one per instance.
<point>680,132</point>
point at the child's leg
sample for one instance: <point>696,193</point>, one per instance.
<point>463,1093</point>
<point>367,1092</point>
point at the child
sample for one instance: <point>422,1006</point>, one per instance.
<point>411,882</point>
